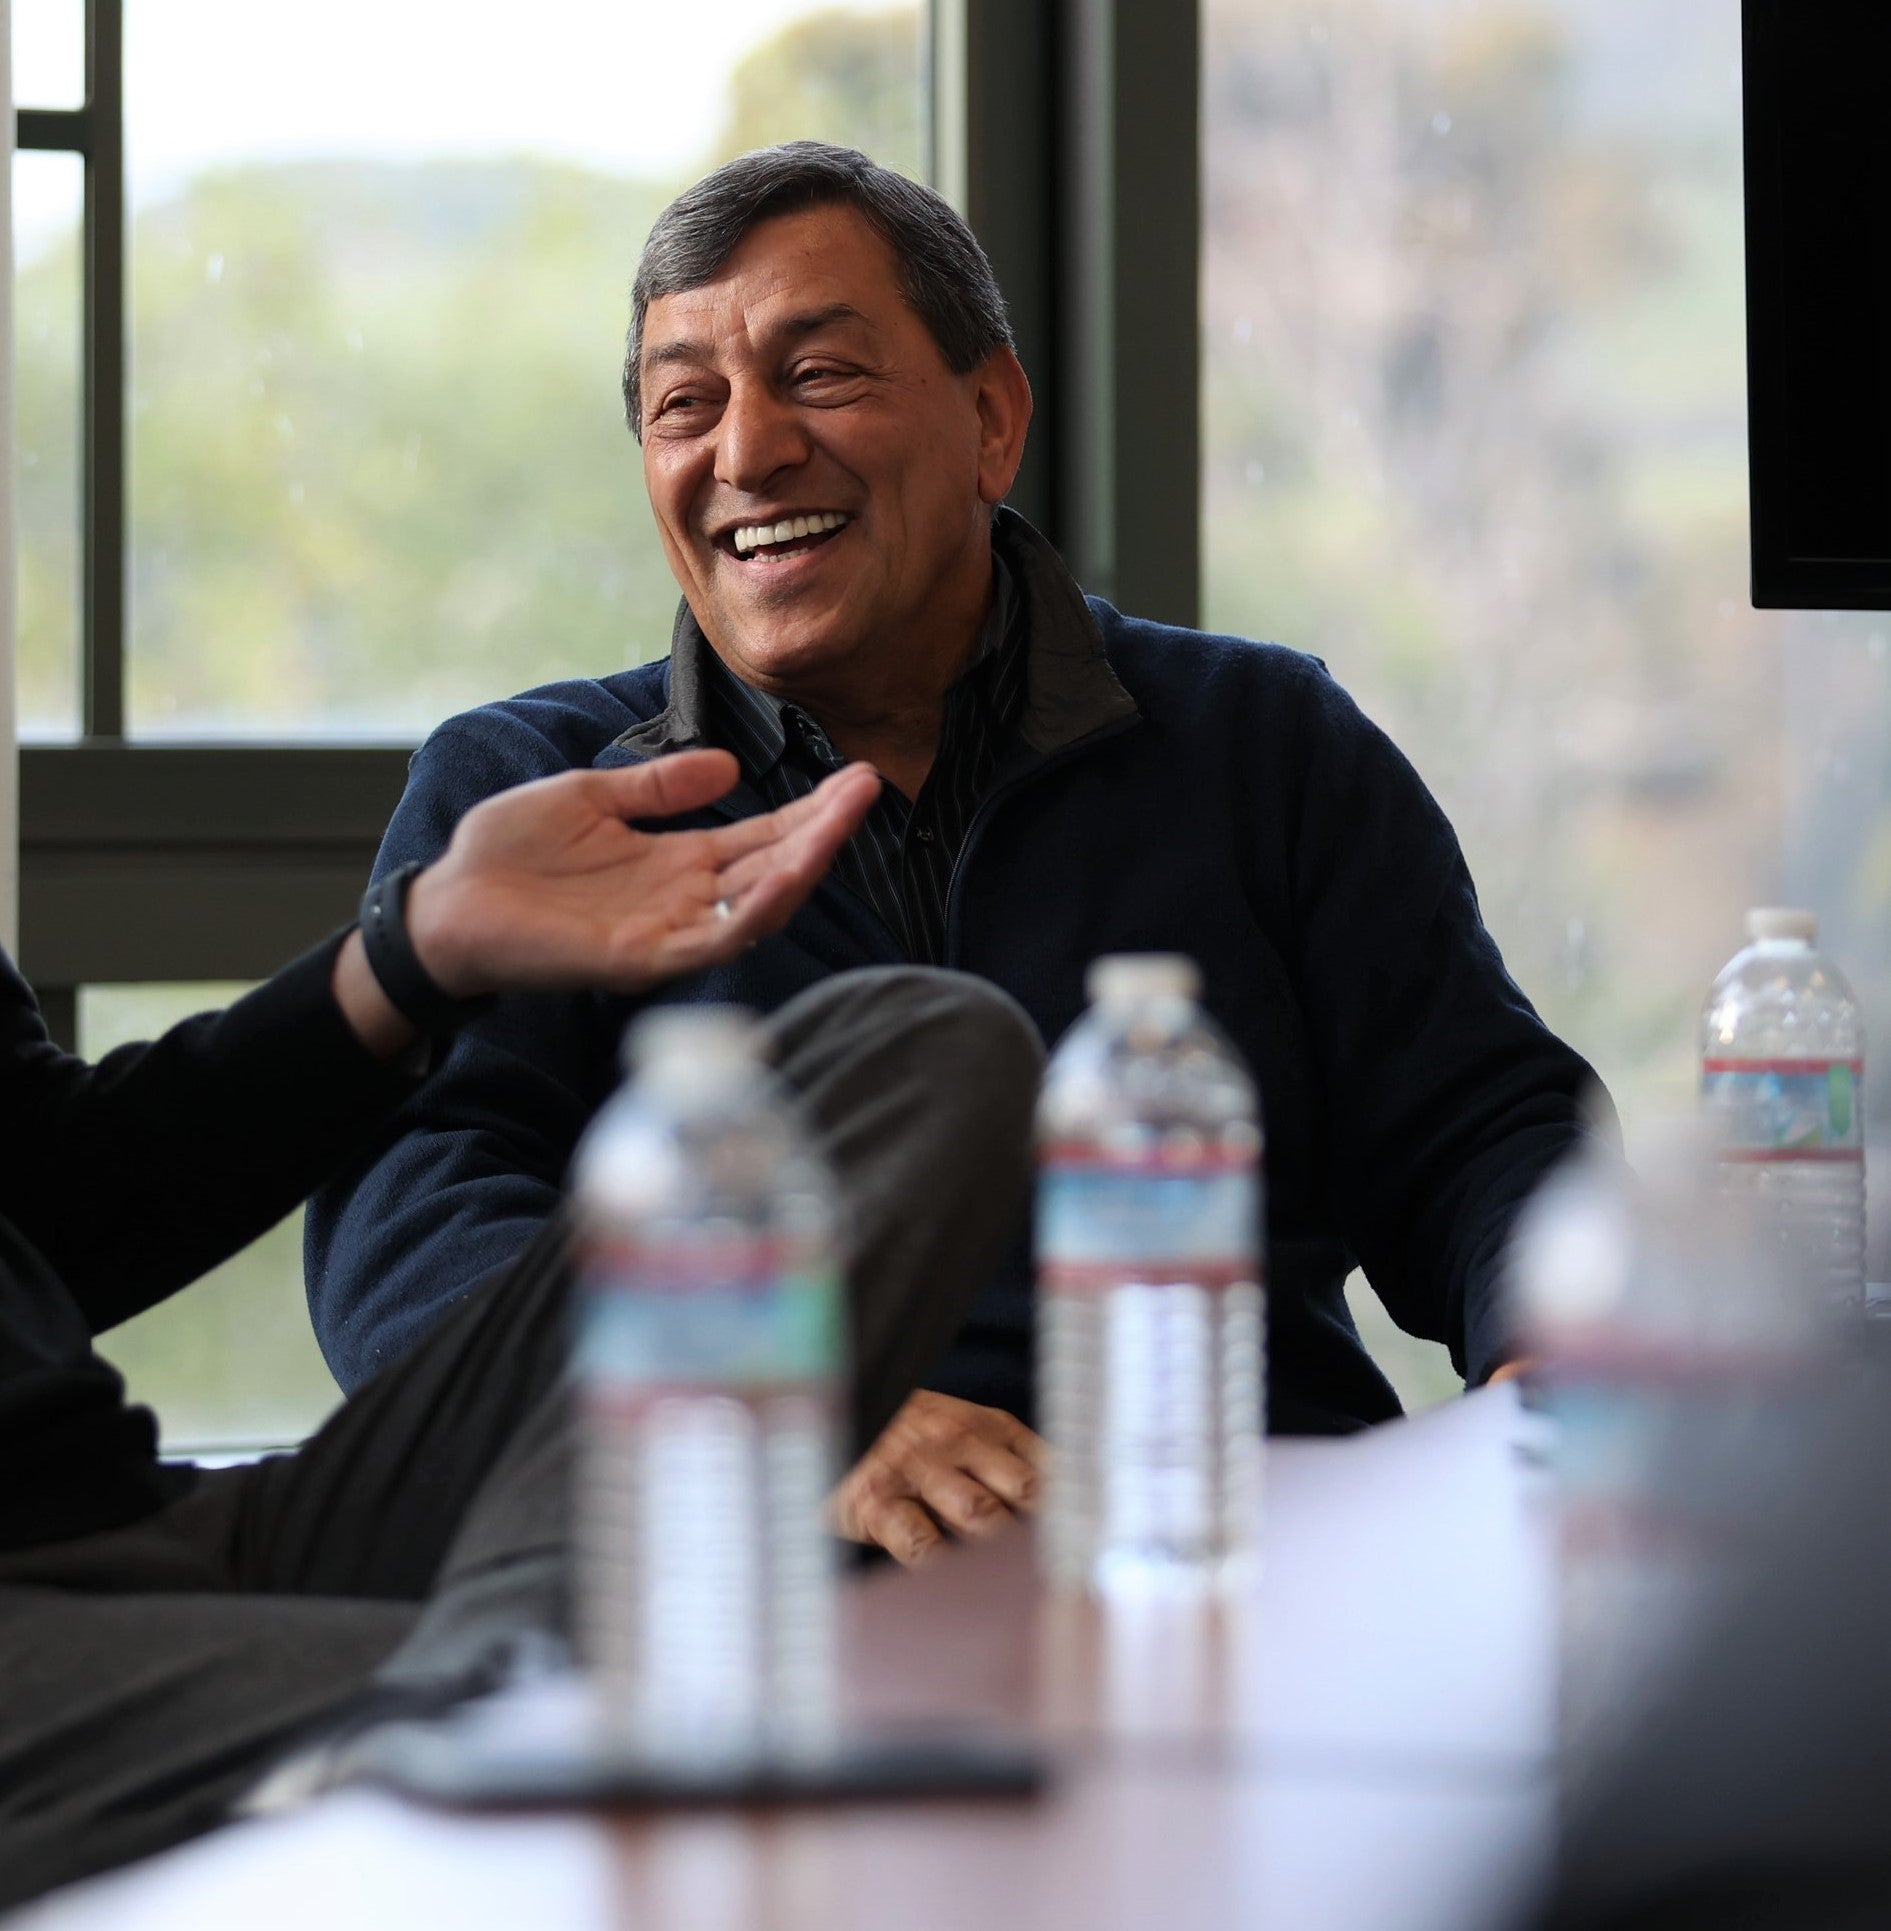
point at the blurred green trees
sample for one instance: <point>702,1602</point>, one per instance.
<point>1474,415</point>
<point>1473,431</point>
<point>379,472</point>
<point>379,468</point>
<point>836,76</point>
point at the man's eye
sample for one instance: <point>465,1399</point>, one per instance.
<point>682,403</point>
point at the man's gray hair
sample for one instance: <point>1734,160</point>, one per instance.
<point>944,275</point>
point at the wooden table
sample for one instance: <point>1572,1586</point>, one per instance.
<point>1364,1742</point>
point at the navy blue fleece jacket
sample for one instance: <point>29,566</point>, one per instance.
<point>1170,791</point>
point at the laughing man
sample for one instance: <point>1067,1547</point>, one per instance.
<point>822,379</point>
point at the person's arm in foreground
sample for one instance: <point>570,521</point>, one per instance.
<point>451,1185</point>
<point>135,1175</point>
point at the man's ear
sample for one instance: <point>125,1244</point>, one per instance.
<point>1002,395</point>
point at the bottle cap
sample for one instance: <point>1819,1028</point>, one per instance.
<point>1119,978</point>
<point>1782,922</point>
<point>697,1037</point>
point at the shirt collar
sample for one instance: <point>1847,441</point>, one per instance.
<point>1070,690</point>
<point>755,724</point>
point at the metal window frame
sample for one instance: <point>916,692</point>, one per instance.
<point>1068,134</point>
<point>153,862</point>
<point>96,133</point>
<point>1066,130</point>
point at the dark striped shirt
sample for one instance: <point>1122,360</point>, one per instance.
<point>900,860</point>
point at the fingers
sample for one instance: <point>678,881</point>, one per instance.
<point>962,1501</point>
<point>900,1527</point>
<point>940,1465</point>
<point>665,787</point>
<point>1010,1477</point>
<point>840,800</point>
<point>713,937</point>
<point>764,886</point>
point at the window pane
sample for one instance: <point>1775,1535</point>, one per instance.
<point>379,469</point>
<point>49,53</point>
<point>48,193</point>
<point>230,1361</point>
<point>1474,415</point>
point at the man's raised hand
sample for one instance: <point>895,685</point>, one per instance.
<point>547,886</point>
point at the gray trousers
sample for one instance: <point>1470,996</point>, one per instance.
<point>151,1673</point>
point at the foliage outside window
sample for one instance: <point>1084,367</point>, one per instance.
<point>378,470</point>
<point>1474,414</point>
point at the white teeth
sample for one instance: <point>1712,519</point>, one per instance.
<point>752,536</point>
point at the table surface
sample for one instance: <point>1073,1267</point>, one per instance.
<point>1362,1741</point>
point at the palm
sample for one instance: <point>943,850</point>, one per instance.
<point>552,888</point>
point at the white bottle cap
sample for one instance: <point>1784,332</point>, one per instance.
<point>695,1037</point>
<point>1121,978</point>
<point>1782,922</point>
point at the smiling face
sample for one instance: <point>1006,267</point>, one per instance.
<point>821,479</point>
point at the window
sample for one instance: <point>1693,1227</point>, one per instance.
<point>363,339</point>
<point>349,454</point>
<point>376,466</point>
<point>232,1365</point>
<point>1474,428</point>
<point>47,200</point>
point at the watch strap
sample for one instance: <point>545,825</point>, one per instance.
<point>409,987</point>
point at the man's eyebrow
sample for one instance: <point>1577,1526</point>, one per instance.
<point>793,327</point>
<point>674,352</point>
<point>790,328</point>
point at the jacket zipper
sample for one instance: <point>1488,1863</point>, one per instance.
<point>989,804</point>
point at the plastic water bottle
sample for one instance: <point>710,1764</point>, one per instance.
<point>709,1367</point>
<point>1782,1086</point>
<point>1673,1367</point>
<point>1150,1335</point>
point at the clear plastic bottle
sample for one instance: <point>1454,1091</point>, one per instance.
<point>1150,1331</point>
<point>709,1368</point>
<point>1782,1088</point>
<point>1673,1366</point>
<point>1621,1287</point>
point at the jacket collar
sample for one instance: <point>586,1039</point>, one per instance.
<point>1070,689</point>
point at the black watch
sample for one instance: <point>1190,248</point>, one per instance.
<point>395,964</point>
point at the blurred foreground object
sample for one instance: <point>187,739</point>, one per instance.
<point>710,1370</point>
<point>1725,1719</point>
<point>1674,1364</point>
<point>1150,1321</point>
<point>1782,1086</point>
<point>1358,1742</point>
<point>1754,1788</point>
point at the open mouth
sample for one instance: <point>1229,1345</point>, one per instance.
<point>765,543</point>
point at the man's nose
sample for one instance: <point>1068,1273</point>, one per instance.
<point>758,435</point>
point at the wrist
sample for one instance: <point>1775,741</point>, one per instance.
<point>431,931</point>
<point>404,971</point>
<point>371,1016</point>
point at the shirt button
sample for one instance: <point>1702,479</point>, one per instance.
<point>924,834</point>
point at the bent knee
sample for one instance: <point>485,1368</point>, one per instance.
<point>962,1041</point>
<point>979,1039</point>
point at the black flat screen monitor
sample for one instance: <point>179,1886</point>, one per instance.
<point>1818,194</point>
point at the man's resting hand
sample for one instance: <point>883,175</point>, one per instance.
<point>939,1464</point>
<point>547,886</point>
